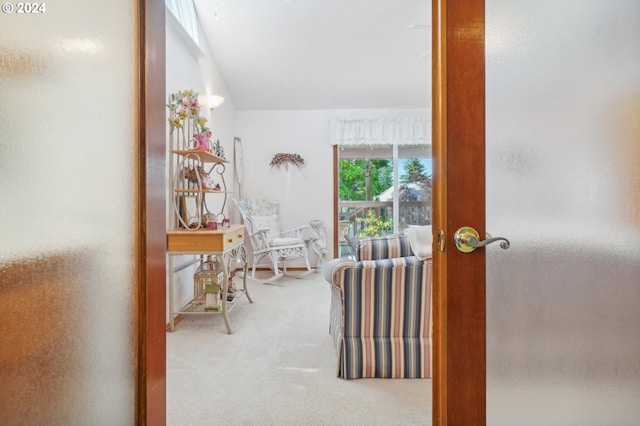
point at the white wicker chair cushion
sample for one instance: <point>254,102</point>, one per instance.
<point>279,242</point>
<point>267,222</point>
<point>261,207</point>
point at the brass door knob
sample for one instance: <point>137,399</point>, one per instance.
<point>467,240</point>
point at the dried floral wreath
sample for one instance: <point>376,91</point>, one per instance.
<point>284,159</point>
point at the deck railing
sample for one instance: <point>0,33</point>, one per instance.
<point>410,213</point>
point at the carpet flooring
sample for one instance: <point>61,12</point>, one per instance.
<point>278,368</point>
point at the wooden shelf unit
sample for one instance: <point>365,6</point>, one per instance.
<point>193,172</point>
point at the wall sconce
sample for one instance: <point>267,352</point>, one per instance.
<point>215,101</point>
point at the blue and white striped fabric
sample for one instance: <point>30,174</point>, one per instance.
<point>384,248</point>
<point>381,312</point>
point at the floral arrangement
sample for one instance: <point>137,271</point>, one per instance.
<point>186,107</point>
<point>197,175</point>
<point>284,159</point>
<point>192,174</point>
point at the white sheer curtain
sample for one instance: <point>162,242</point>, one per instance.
<point>406,131</point>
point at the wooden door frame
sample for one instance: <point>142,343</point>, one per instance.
<point>458,108</point>
<point>151,217</point>
<point>459,379</point>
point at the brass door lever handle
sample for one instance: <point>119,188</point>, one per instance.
<point>467,240</point>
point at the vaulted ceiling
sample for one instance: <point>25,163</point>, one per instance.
<point>321,54</point>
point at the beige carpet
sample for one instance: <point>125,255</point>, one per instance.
<point>278,368</point>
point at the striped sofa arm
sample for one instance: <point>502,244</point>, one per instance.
<point>384,248</point>
<point>334,268</point>
<point>333,271</point>
<point>385,328</point>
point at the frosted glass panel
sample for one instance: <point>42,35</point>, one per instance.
<point>67,164</point>
<point>563,184</point>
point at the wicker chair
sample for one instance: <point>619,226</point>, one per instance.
<point>272,247</point>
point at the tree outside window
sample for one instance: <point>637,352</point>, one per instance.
<point>371,180</point>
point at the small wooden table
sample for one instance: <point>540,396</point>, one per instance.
<point>227,244</point>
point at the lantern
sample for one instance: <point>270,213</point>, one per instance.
<point>207,283</point>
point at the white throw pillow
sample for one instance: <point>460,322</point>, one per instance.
<point>420,239</point>
<point>267,222</point>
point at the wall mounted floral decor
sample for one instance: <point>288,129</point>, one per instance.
<point>282,159</point>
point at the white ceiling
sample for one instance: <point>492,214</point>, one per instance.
<point>321,54</point>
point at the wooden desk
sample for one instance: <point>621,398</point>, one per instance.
<point>227,244</point>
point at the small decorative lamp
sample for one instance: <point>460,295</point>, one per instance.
<point>207,283</point>
<point>215,101</point>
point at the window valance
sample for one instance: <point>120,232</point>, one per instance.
<point>410,131</point>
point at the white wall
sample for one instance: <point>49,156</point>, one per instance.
<point>306,193</point>
<point>190,67</point>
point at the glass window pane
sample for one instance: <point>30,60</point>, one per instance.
<point>414,191</point>
<point>371,184</point>
<point>185,13</point>
<point>364,174</point>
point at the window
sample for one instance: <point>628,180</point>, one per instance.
<point>383,189</point>
<point>383,169</point>
<point>185,13</point>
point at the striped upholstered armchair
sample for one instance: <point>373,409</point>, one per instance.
<point>381,310</point>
